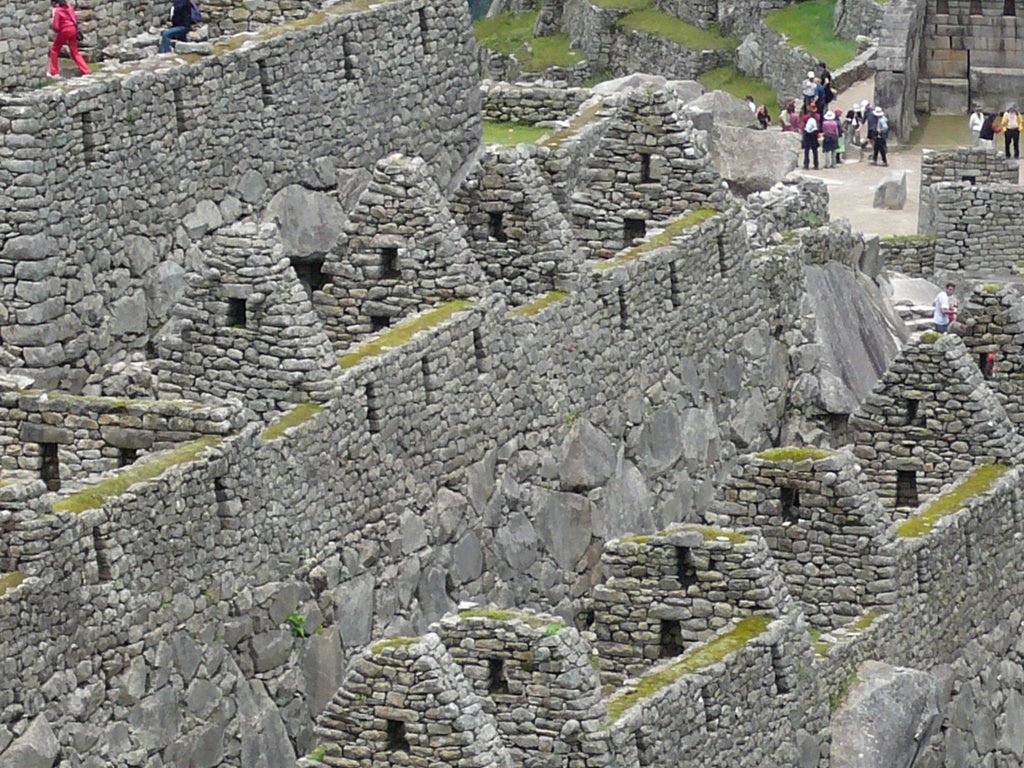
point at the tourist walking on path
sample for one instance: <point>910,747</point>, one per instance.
<point>945,311</point>
<point>974,122</point>
<point>181,23</point>
<point>881,137</point>
<point>810,139</point>
<point>1011,130</point>
<point>65,25</point>
<point>830,138</point>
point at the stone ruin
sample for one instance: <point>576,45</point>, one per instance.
<point>399,449</point>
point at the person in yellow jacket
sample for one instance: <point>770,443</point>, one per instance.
<point>1011,130</point>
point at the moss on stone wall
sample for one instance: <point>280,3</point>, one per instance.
<point>663,238</point>
<point>795,454</point>
<point>538,306</point>
<point>148,468</point>
<point>695,659</point>
<point>660,24</point>
<point>300,414</point>
<point>394,642</point>
<point>577,123</point>
<point>9,581</point>
<point>550,627</point>
<point>400,334</point>
<point>979,482</point>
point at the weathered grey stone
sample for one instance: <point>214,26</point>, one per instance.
<point>322,664</point>
<point>891,194</point>
<point>564,526</point>
<point>588,457</point>
<point>308,222</point>
<point>354,601</point>
<point>164,287</point>
<point>36,748</point>
<point>271,649</point>
<point>751,160</point>
<point>205,217</point>
<point>155,719</point>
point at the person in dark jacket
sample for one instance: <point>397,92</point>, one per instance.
<point>181,23</point>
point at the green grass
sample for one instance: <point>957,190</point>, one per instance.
<point>663,238</point>
<point>603,76</point>
<point>930,337</point>
<point>400,334</point>
<point>300,414</point>
<point>655,22</point>
<point>512,33</point>
<point>150,467</point>
<point>623,5</point>
<point>512,133</point>
<point>696,659</point>
<point>992,287</point>
<point>729,79</point>
<point>538,306</point>
<point>579,121</point>
<point>550,627</point>
<point>9,581</point>
<point>395,642</point>
<point>897,239</point>
<point>795,454</point>
<point>809,25</point>
<point>978,482</point>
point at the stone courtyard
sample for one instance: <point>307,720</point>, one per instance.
<point>422,402</point>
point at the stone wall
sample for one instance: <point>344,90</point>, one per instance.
<point>857,17</point>
<point>897,62</point>
<point>974,165</point>
<point>790,204</point>
<point>913,255</point>
<point>974,224</point>
<point>527,103</point>
<point>83,287</point>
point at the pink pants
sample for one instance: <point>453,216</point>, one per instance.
<point>70,39</point>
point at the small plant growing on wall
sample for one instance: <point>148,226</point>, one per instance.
<point>297,624</point>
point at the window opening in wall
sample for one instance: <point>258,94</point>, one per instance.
<point>179,111</point>
<point>913,411</point>
<point>790,500</point>
<point>673,284</point>
<point>782,683</point>
<point>49,470</point>
<point>422,14</point>
<point>99,545</point>
<point>236,313</point>
<point>372,416</point>
<point>723,263</point>
<point>346,59</point>
<point>389,264</point>
<point>478,350</point>
<point>496,227</point>
<point>311,274</point>
<point>906,488</point>
<point>622,308</point>
<point>379,323</point>
<point>633,230</point>
<point>497,681</point>
<point>589,617</point>
<point>265,93</point>
<point>645,168</point>
<point>1009,8</point>
<point>987,363</point>
<point>686,571</point>
<point>428,384</point>
<point>942,6</point>
<point>397,740</point>
<point>88,138</point>
<point>671,641</point>
<point>970,178</point>
<point>975,7</point>
<point>126,456</point>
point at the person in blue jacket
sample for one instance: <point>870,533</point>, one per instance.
<point>181,23</point>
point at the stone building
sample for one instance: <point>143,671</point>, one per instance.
<point>931,418</point>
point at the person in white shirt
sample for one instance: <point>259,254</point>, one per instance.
<point>974,122</point>
<point>945,311</point>
<point>810,89</point>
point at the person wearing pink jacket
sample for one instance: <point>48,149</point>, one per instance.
<point>65,25</point>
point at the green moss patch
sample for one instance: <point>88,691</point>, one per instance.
<point>538,306</point>
<point>692,661</point>
<point>512,133</point>
<point>908,239</point>
<point>300,414</point>
<point>635,540</point>
<point>579,121</point>
<point>235,42</point>
<point>930,337</point>
<point>401,333</point>
<point>979,482</point>
<point>713,534</point>
<point>795,454</point>
<point>865,621</point>
<point>732,81</point>
<point>623,5</point>
<point>550,627</point>
<point>663,238</point>
<point>148,468</point>
<point>808,25</point>
<point>654,22</point>
<point>992,287</point>
<point>394,642</point>
<point>512,33</point>
<point>9,581</point>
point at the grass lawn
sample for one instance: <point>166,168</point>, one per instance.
<point>512,133</point>
<point>513,33</point>
<point>623,5</point>
<point>809,24</point>
<point>654,22</point>
<point>728,79</point>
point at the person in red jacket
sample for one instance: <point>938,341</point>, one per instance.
<point>65,24</point>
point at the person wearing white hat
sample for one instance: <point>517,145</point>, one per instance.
<point>974,123</point>
<point>881,136</point>
<point>810,88</point>
<point>830,138</point>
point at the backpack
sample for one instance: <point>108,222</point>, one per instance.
<point>197,17</point>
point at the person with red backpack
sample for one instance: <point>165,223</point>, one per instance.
<point>184,13</point>
<point>65,24</point>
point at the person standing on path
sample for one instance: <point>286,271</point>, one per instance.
<point>809,89</point>
<point>65,25</point>
<point>181,23</point>
<point>810,139</point>
<point>830,138</point>
<point>1011,131</point>
<point>945,311</point>
<point>974,122</point>
<point>789,120</point>
<point>881,137</point>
